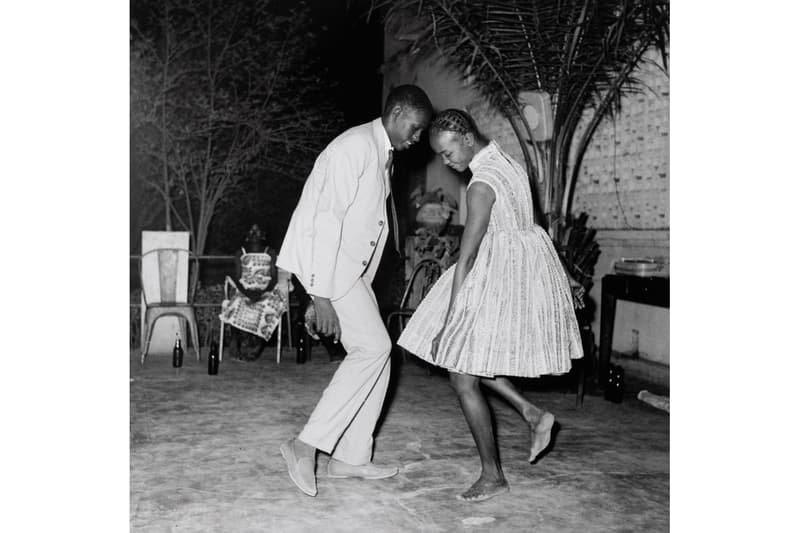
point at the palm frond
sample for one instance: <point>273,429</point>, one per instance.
<point>583,53</point>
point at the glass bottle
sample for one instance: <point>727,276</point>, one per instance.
<point>213,359</point>
<point>177,353</point>
<point>302,342</point>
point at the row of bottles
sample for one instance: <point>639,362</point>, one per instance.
<point>213,356</point>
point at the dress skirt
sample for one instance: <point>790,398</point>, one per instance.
<point>512,317</point>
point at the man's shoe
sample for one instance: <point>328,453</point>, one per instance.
<point>339,470</point>
<point>301,471</point>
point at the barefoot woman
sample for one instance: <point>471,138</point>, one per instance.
<point>505,308</point>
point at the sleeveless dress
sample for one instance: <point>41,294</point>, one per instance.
<point>513,315</point>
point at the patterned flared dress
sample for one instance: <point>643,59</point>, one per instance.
<point>513,315</point>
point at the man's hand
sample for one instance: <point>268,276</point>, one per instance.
<point>310,320</point>
<point>327,320</point>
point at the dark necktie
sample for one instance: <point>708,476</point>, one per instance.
<point>392,208</point>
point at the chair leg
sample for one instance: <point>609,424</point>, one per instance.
<point>142,332</point>
<point>144,343</point>
<point>195,335</point>
<point>149,326</point>
<point>288,316</point>
<point>221,334</point>
<point>279,342</point>
<point>142,316</point>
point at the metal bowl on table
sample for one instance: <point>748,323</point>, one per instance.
<point>639,266</point>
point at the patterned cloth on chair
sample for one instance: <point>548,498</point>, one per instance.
<point>261,317</point>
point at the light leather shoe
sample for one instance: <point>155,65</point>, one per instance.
<point>301,471</point>
<point>339,470</point>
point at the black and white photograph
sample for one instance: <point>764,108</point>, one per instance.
<point>397,266</point>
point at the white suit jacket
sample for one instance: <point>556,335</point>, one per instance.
<point>339,228</point>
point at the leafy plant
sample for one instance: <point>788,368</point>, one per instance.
<point>429,244</point>
<point>579,250</point>
<point>582,53</point>
<point>434,209</point>
<point>420,197</point>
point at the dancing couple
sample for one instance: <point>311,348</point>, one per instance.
<point>504,309</point>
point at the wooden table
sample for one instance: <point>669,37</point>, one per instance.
<point>652,290</point>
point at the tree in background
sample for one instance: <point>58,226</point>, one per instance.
<point>222,93</point>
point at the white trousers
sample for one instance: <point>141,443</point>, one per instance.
<point>344,419</point>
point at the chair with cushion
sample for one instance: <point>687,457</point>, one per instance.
<point>423,277</point>
<point>163,295</point>
<point>257,318</point>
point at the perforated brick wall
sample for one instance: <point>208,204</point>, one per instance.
<point>624,179</point>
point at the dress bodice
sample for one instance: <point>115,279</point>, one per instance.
<point>513,208</point>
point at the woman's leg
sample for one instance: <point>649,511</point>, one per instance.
<point>540,422</point>
<point>479,419</point>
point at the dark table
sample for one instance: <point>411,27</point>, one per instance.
<point>652,290</point>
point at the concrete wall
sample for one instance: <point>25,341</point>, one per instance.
<point>624,187</point>
<point>623,184</point>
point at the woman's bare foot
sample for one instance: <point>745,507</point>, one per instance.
<point>540,434</point>
<point>483,489</point>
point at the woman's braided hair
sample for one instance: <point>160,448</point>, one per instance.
<point>454,120</point>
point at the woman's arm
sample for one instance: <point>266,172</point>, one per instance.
<point>480,199</point>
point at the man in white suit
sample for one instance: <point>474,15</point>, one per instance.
<point>333,246</point>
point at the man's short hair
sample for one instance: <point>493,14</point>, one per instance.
<point>408,96</point>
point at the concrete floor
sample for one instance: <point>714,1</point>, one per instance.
<point>204,457</point>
